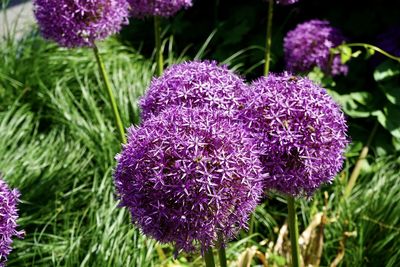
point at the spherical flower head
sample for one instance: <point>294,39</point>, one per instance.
<point>195,84</point>
<point>187,176</point>
<point>300,130</point>
<point>390,41</point>
<point>308,46</point>
<point>162,8</point>
<point>8,218</point>
<point>78,23</point>
<point>286,2</point>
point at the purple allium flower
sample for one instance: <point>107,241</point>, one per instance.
<point>8,217</point>
<point>187,176</point>
<point>77,23</point>
<point>300,130</point>
<point>390,41</point>
<point>308,46</point>
<point>195,84</point>
<point>162,8</point>
<point>286,2</point>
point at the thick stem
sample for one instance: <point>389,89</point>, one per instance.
<point>268,41</point>
<point>159,54</point>
<point>111,97</point>
<point>357,167</point>
<point>222,253</point>
<point>294,231</point>
<point>209,258</point>
<point>251,225</point>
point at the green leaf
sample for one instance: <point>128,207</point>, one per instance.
<point>345,53</point>
<point>392,92</point>
<point>396,143</point>
<point>361,97</point>
<point>386,70</point>
<point>355,105</point>
<point>356,54</point>
<point>389,119</point>
<point>318,76</point>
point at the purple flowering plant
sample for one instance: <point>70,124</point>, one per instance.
<point>190,177</point>
<point>389,41</point>
<point>157,9</point>
<point>309,45</point>
<point>300,130</point>
<point>80,23</point>
<point>161,8</point>
<point>286,2</point>
<point>9,199</point>
<point>77,23</point>
<point>195,84</point>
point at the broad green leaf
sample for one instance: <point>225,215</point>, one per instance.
<point>389,118</point>
<point>392,92</point>
<point>355,105</point>
<point>386,70</point>
<point>396,143</point>
<point>361,97</point>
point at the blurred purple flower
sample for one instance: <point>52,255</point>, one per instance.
<point>300,130</point>
<point>8,218</point>
<point>187,176</point>
<point>77,23</point>
<point>390,41</point>
<point>162,8</point>
<point>195,84</point>
<point>308,46</point>
<point>286,2</point>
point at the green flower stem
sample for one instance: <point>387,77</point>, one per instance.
<point>375,48</point>
<point>252,223</point>
<point>159,54</point>
<point>111,97</point>
<point>222,254</point>
<point>357,167</point>
<point>293,231</point>
<point>209,258</point>
<point>268,41</point>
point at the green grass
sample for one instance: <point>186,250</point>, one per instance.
<point>57,145</point>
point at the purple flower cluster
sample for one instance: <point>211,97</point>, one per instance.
<point>286,2</point>
<point>308,46</point>
<point>188,176</point>
<point>8,217</point>
<point>195,84</point>
<point>162,8</point>
<point>77,23</point>
<point>390,41</point>
<point>300,130</point>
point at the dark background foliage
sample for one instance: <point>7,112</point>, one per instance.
<point>241,24</point>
